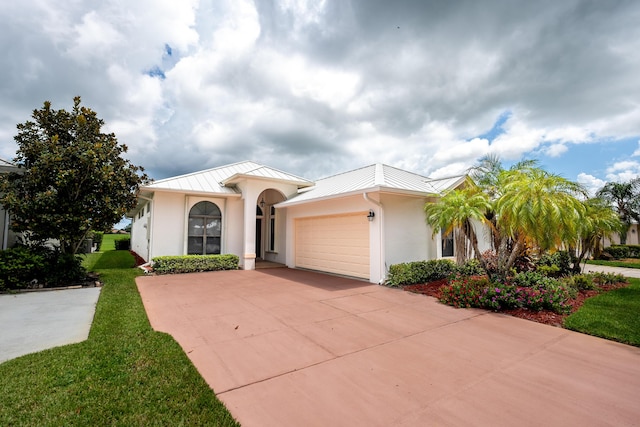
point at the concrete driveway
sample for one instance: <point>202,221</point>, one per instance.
<point>36,321</point>
<point>286,347</point>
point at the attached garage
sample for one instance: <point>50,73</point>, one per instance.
<point>335,244</point>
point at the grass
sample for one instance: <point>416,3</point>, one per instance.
<point>611,315</point>
<point>625,264</point>
<point>108,241</point>
<point>124,374</point>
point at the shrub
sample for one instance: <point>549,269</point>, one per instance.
<point>607,278</point>
<point>464,291</point>
<point>554,299</point>
<point>549,270</point>
<point>64,269</point>
<point>563,260</point>
<point>470,268</point>
<point>624,251</point>
<point>123,244</point>
<point>500,296</point>
<point>49,267</point>
<point>410,273</point>
<point>618,251</point>
<point>19,266</point>
<point>582,282</point>
<point>490,259</point>
<point>194,263</point>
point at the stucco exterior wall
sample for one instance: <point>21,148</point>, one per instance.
<point>336,207</point>
<point>140,231</point>
<point>407,235</point>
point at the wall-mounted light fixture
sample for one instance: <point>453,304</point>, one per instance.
<point>262,202</point>
<point>371,215</point>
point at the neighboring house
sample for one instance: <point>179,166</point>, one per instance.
<point>633,237</point>
<point>356,223</point>
<point>7,237</point>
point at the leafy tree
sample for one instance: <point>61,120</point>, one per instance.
<point>72,177</point>
<point>625,198</point>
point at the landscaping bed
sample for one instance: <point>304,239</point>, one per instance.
<point>547,317</point>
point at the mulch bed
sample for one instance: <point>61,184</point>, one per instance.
<point>139,259</point>
<point>434,289</point>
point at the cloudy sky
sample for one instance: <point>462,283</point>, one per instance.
<point>319,87</point>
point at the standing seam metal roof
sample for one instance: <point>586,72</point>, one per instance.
<point>373,177</point>
<point>214,180</point>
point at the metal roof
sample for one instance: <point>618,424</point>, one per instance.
<point>377,177</point>
<point>220,180</point>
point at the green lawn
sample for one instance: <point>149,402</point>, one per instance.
<point>108,241</point>
<point>625,264</point>
<point>124,374</point>
<point>613,315</point>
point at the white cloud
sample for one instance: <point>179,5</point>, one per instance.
<point>590,182</point>
<point>556,150</point>
<point>317,87</point>
<point>623,171</point>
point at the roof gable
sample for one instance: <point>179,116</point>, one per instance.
<point>376,177</point>
<point>220,180</point>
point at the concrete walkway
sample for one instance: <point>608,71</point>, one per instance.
<point>628,272</point>
<point>36,321</point>
<point>285,347</point>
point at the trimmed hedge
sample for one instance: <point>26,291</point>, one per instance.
<point>123,244</point>
<point>623,251</point>
<point>410,273</point>
<point>194,263</point>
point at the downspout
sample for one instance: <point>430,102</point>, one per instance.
<point>5,233</point>
<point>383,269</point>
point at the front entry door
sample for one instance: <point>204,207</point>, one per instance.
<point>259,238</point>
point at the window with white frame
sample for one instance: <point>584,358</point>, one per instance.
<point>205,229</point>
<point>447,243</point>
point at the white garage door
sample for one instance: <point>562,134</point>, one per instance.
<point>336,244</point>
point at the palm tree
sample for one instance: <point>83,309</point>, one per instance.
<point>524,207</point>
<point>598,222</point>
<point>454,213</point>
<point>542,207</point>
<point>625,199</point>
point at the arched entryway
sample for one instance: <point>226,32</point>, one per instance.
<point>267,241</point>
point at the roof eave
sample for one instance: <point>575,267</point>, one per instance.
<point>377,189</point>
<point>236,178</point>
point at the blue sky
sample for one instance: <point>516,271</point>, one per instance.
<point>319,87</point>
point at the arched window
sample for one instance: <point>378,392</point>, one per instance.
<point>205,228</point>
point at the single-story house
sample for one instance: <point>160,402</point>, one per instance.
<point>7,236</point>
<point>356,223</point>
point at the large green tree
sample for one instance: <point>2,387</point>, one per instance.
<point>625,199</point>
<point>72,178</point>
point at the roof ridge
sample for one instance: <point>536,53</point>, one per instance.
<point>346,172</point>
<point>379,178</point>
<point>171,178</point>
<point>445,177</point>
<point>278,170</point>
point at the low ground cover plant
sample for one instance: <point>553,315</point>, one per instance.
<point>547,285</point>
<point>194,263</point>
